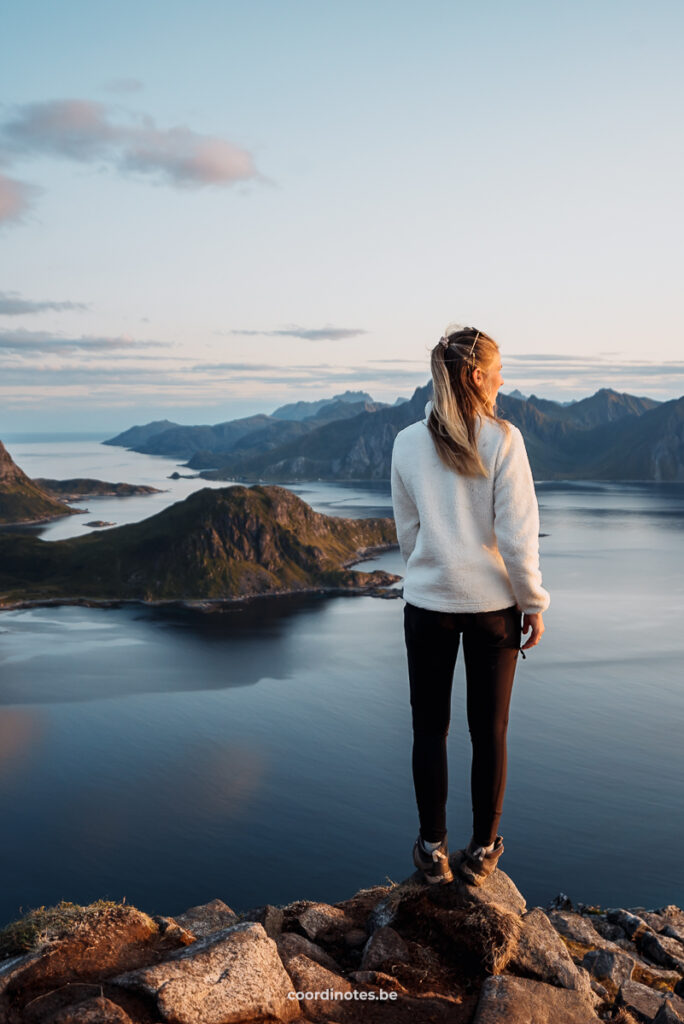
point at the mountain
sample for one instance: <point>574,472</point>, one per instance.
<point>182,442</point>
<point>603,407</point>
<point>648,448</point>
<point>303,410</point>
<point>21,499</point>
<point>140,435</point>
<point>579,440</point>
<point>358,448</point>
<point>233,542</point>
<point>563,442</point>
<point>279,432</point>
<point>259,432</point>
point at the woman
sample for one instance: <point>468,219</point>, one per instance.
<point>468,525</point>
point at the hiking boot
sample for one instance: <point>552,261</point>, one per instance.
<point>477,865</point>
<point>433,866</point>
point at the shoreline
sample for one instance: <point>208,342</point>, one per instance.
<point>207,604</point>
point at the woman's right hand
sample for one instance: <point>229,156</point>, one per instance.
<point>534,622</point>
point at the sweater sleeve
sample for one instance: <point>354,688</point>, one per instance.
<point>406,516</point>
<point>516,524</point>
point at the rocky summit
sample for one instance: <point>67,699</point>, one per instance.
<point>403,953</point>
<point>219,544</point>
<point>22,500</point>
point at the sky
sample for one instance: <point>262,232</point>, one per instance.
<point>211,208</point>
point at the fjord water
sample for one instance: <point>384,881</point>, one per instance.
<point>262,754</point>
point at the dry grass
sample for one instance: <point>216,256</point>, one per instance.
<point>38,927</point>
<point>495,932</point>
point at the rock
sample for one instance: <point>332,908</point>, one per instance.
<point>324,990</point>
<point>610,932</point>
<point>96,945</point>
<point>14,967</point>
<point>666,1015</point>
<point>232,975</point>
<point>207,918</point>
<point>171,930</point>
<point>321,918</point>
<point>378,979</point>
<point>363,903</point>
<point>498,888</point>
<point>542,954</point>
<point>645,1002</point>
<point>355,938</point>
<point>508,1000</point>
<point>654,920</point>
<point>655,977</point>
<point>632,925</point>
<point>385,946</point>
<point>561,902</point>
<point>672,915</point>
<point>92,1011</point>
<point>610,967</point>
<point>599,990</point>
<point>269,916</point>
<point>291,944</point>
<point>575,927</point>
<point>661,950</point>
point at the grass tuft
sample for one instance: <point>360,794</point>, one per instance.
<point>44,924</point>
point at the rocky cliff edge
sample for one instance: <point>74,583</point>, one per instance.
<point>398,953</point>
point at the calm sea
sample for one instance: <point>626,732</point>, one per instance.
<point>262,754</point>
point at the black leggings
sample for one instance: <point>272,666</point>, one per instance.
<point>491,641</point>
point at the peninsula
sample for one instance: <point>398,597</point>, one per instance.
<point>217,545</point>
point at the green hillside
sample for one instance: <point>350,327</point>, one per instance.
<point>226,543</point>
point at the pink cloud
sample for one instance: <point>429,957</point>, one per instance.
<point>84,130</point>
<point>15,198</point>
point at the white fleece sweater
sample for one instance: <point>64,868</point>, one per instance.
<point>470,543</point>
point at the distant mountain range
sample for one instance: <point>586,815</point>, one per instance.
<point>217,544</point>
<point>608,436</point>
<point>260,433</point>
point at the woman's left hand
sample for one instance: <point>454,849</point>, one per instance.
<point>534,622</point>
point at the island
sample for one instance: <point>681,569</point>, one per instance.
<point>72,490</point>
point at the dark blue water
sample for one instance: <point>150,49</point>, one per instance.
<point>263,754</point>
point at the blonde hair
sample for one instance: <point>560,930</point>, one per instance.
<point>459,404</point>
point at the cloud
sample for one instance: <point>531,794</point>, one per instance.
<point>11,304</point>
<point>307,333</point>
<point>126,85</point>
<point>83,130</point>
<point>21,341</point>
<point>15,198</point>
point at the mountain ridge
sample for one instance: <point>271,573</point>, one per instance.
<point>218,544</point>
<point>593,438</point>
